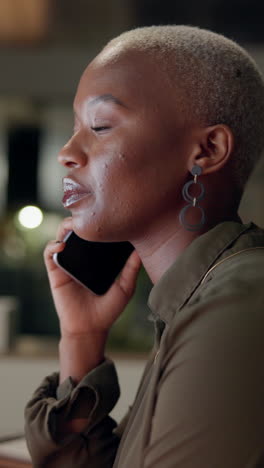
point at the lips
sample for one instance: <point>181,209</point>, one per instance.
<point>73,192</point>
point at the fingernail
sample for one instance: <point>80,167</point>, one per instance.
<point>58,242</point>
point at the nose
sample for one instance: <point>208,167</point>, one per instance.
<point>71,154</point>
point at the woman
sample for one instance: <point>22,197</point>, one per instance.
<point>168,126</point>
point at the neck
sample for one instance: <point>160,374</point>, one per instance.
<point>161,245</point>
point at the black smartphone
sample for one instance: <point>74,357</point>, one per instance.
<point>93,264</point>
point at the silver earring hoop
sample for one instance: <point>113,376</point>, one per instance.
<point>193,201</point>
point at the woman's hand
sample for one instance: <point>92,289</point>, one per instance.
<point>80,311</point>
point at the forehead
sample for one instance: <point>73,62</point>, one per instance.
<point>131,76</point>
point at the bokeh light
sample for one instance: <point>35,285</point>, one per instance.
<point>30,217</point>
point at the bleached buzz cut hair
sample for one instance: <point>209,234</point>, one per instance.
<point>221,83</point>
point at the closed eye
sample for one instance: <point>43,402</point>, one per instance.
<point>99,129</point>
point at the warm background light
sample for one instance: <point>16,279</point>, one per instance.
<point>23,20</point>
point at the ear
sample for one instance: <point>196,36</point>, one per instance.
<point>215,148</point>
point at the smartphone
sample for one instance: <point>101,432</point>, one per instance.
<point>93,264</point>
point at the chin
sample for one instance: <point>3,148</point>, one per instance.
<point>97,228</point>
<point>87,233</point>
<point>92,232</point>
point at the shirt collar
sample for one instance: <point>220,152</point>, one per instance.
<point>179,282</point>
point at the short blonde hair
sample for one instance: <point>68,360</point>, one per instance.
<point>222,83</point>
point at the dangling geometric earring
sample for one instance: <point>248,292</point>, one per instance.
<point>192,201</point>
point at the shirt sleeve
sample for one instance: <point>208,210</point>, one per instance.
<point>208,410</point>
<point>52,404</point>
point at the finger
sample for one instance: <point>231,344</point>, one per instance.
<point>128,276</point>
<point>127,279</point>
<point>57,277</point>
<point>51,248</point>
<point>117,297</point>
<point>64,228</point>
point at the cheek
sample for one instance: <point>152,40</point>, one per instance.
<point>110,175</point>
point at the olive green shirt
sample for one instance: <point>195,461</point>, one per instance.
<point>200,403</point>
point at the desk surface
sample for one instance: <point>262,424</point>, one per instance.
<point>11,463</point>
<point>14,454</point>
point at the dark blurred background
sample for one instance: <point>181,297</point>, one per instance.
<point>44,47</point>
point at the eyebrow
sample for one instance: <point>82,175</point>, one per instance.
<point>106,98</point>
<point>102,98</point>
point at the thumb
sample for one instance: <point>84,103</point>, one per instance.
<point>124,286</point>
<point>128,276</point>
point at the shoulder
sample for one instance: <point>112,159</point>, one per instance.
<point>230,303</point>
<point>240,273</point>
